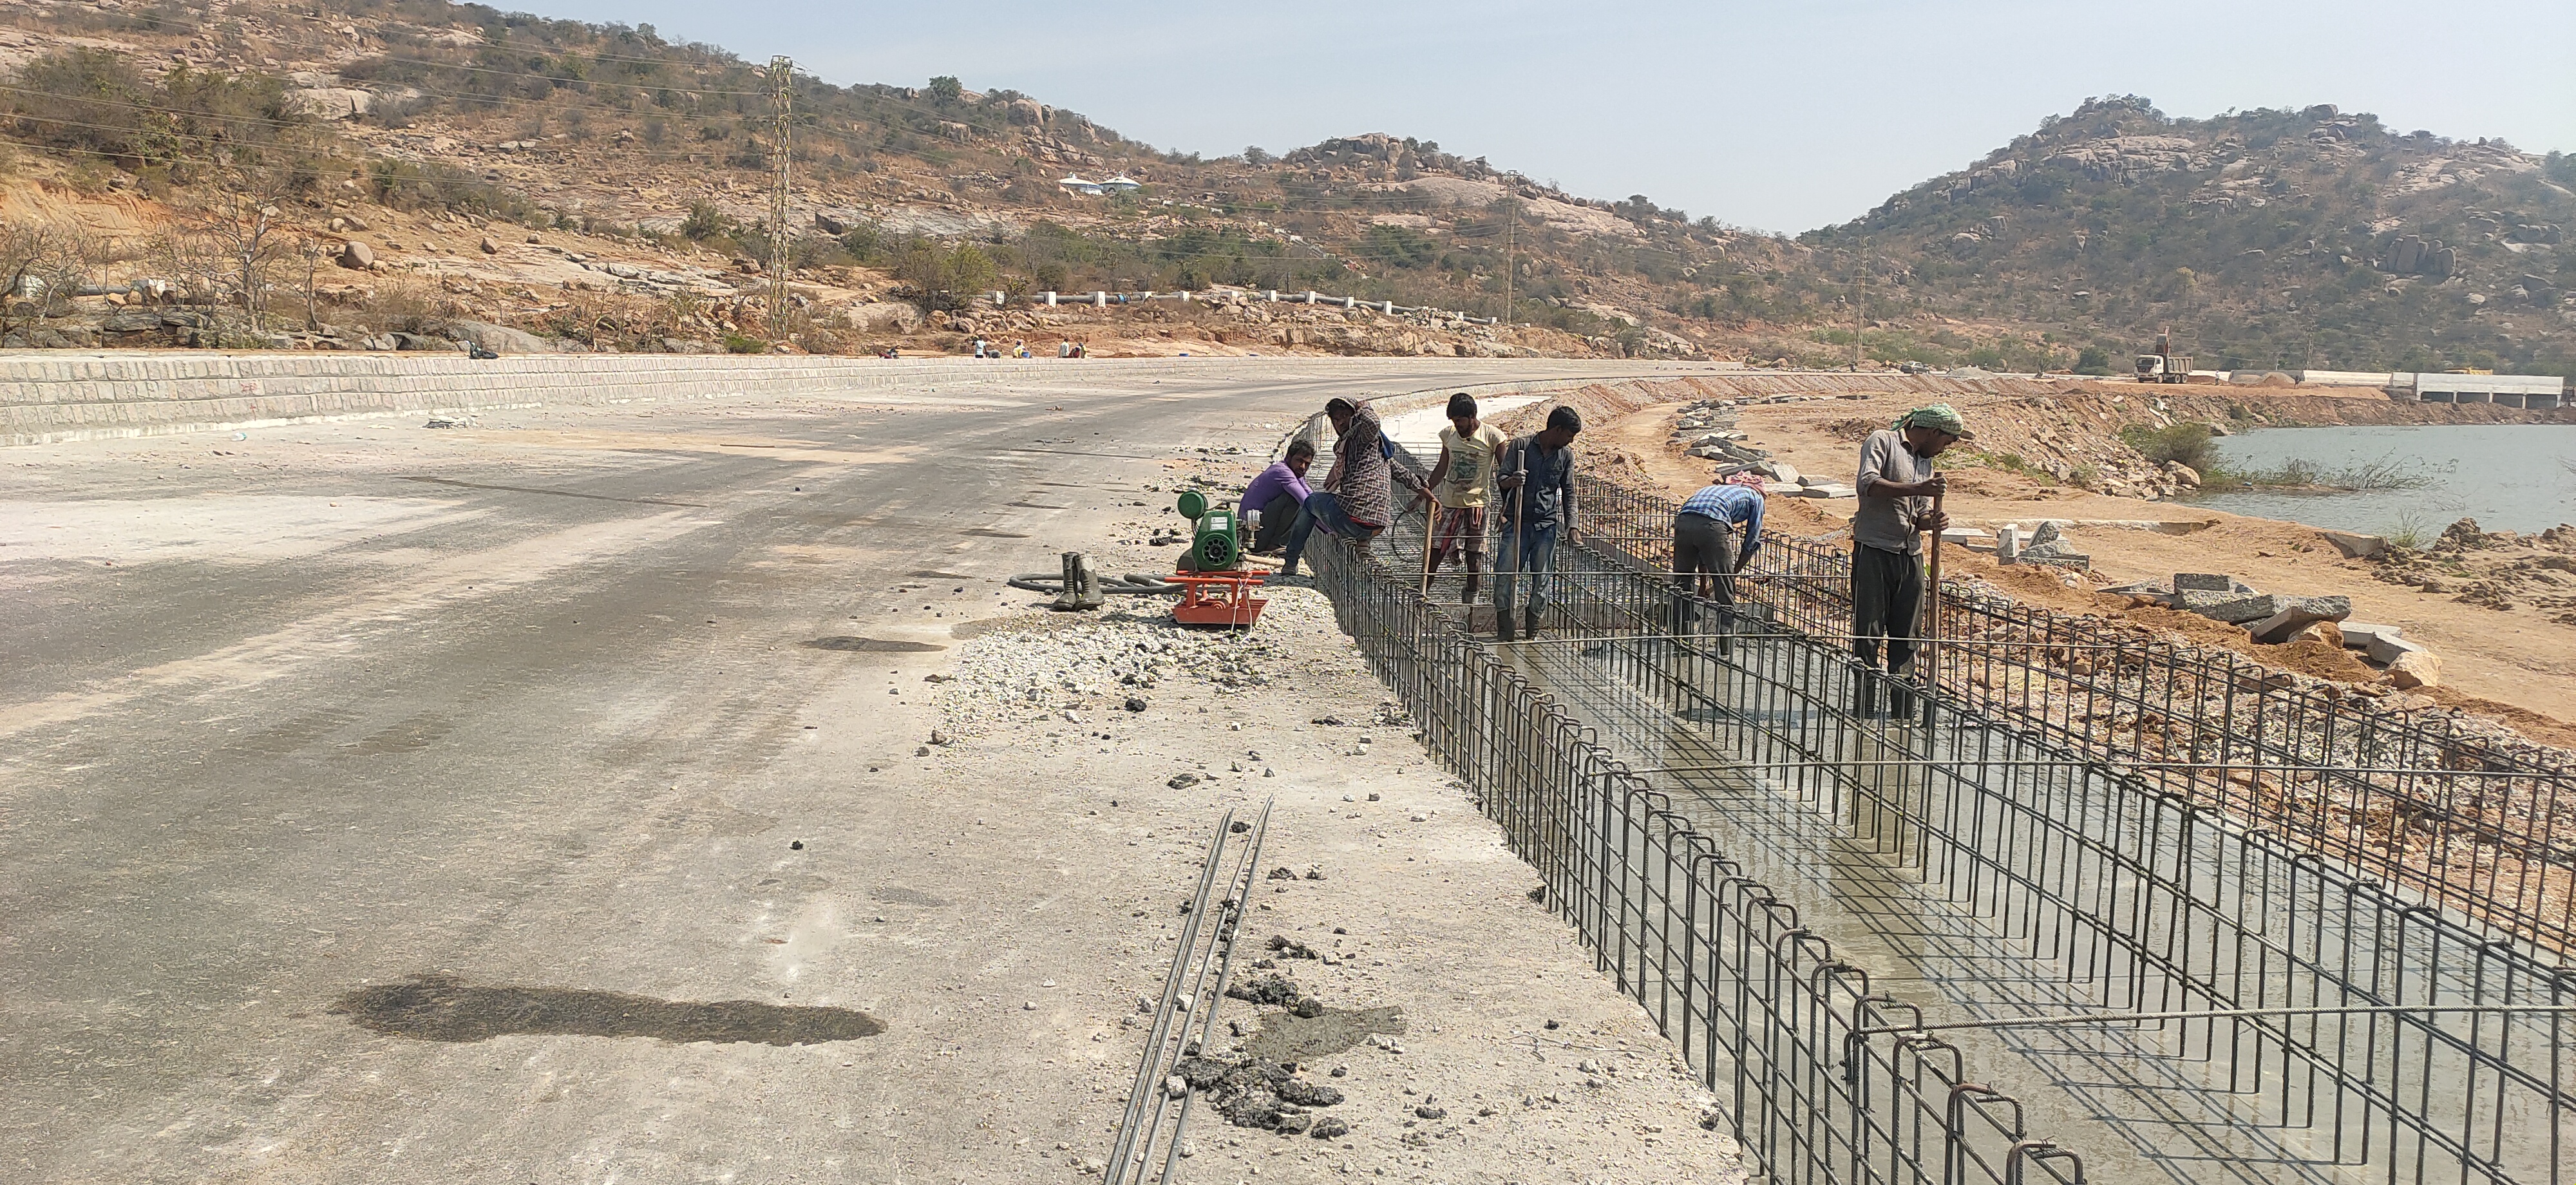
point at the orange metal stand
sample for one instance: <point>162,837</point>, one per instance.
<point>1220,599</point>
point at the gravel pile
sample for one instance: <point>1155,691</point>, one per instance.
<point>1080,667</point>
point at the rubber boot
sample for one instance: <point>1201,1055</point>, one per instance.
<point>1502,623</point>
<point>1900,693</point>
<point>1529,623</point>
<point>1467,595</point>
<point>1864,691</point>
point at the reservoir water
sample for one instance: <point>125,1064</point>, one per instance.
<point>2509,477</point>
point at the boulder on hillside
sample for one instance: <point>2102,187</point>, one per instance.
<point>500,339</point>
<point>357,256</point>
<point>892,316</point>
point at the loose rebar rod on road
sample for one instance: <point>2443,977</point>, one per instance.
<point>1226,878</point>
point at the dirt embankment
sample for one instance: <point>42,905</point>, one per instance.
<point>2516,664</point>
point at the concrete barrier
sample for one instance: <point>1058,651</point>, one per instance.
<point>53,397</point>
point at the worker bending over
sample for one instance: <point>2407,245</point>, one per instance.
<point>1706,552</point>
<point>1357,500</point>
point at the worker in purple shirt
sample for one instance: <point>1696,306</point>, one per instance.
<point>1271,502</point>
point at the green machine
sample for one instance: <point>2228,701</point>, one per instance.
<point>1216,537</point>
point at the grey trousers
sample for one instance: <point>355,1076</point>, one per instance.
<point>1702,545</point>
<point>1887,592</point>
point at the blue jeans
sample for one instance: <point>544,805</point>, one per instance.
<point>1535,554</point>
<point>1321,507</point>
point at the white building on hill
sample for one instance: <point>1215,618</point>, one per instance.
<point>1078,184</point>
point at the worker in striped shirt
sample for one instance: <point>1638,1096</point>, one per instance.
<point>1706,553</point>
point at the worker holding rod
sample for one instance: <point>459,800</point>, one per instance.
<point>1900,496</point>
<point>1538,513</point>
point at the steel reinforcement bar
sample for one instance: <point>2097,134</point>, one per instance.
<point>2469,821</point>
<point>2073,878</point>
<point>1772,1019</point>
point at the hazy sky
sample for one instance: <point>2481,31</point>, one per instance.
<point>1781,116</point>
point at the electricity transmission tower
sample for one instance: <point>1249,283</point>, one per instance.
<point>781,94</point>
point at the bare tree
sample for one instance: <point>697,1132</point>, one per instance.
<point>228,244</point>
<point>42,267</point>
<point>307,271</point>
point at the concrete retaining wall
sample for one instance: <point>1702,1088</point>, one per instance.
<point>46,398</point>
<point>53,397</point>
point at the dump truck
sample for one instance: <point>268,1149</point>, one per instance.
<point>2164,366</point>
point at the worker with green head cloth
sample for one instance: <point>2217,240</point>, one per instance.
<point>1897,485</point>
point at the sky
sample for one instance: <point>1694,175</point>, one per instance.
<point>1778,116</point>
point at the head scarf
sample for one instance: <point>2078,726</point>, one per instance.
<point>1939,417</point>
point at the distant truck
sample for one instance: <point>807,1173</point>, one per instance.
<point>2164,366</point>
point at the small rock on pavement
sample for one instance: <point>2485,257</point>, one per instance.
<point>2416,668</point>
<point>1329,1127</point>
<point>1136,703</point>
<point>922,751</point>
<point>1183,781</point>
<point>1431,1112</point>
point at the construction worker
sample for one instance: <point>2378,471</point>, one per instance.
<point>1706,553</point>
<point>1270,504</point>
<point>1358,499</point>
<point>1897,488</point>
<point>1538,513</point>
<point>1469,451</point>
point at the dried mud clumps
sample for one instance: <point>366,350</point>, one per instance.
<point>1281,946</point>
<point>1279,990</point>
<point>1263,1094</point>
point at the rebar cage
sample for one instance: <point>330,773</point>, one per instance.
<point>2073,817</point>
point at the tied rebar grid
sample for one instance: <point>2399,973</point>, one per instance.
<point>2030,874</point>
<point>2471,824</point>
<point>1761,1004</point>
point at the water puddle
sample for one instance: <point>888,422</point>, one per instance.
<point>873,645</point>
<point>1286,1038</point>
<point>444,1008</point>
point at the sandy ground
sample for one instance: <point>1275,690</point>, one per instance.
<point>2516,665</point>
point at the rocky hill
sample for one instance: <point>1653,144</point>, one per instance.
<point>365,173</point>
<point>2287,239</point>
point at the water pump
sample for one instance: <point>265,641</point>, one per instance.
<point>1215,589</point>
<point>1216,535</point>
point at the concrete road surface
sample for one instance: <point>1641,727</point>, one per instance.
<point>326,752</point>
